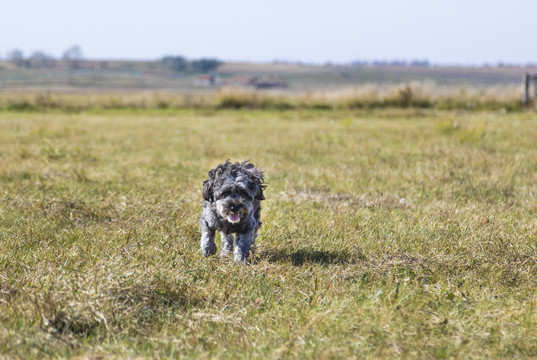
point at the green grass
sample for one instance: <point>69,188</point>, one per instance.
<point>396,233</point>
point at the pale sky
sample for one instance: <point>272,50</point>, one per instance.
<point>442,31</point>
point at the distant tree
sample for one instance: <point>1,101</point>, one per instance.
<point>360,63</point>
<point>205,65</point>
<point>40,60</point>
<point>16,57</point>
<point>398,63</point>
<point>175,63</point>
<point>420,63</point>
<point>73,56</point>
<point>73,53</point>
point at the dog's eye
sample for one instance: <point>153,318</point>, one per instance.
<point>244,193</point>
<point>224,194</point>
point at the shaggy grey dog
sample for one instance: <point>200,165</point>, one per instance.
<point>232,205</point>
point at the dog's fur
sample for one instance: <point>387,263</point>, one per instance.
<point>232,205</point>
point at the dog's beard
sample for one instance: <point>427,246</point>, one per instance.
<point>233,217</point>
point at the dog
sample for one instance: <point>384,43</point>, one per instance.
<point>232,198</point>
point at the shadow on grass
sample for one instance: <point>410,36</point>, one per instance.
<point>309,256</point>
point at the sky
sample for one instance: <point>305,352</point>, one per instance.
<point>467,32</point>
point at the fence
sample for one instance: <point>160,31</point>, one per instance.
<point>528,78</point>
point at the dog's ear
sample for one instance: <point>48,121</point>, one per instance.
<point>208,184</point>
<point>260,195</point>
<point>257,176</point>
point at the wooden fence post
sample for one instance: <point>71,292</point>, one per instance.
<point>534,78</point>
<point>526,89</point>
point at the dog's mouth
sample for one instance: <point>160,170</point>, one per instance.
<point>234,218</point>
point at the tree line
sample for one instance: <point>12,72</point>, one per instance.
<point>73,58</point>
<point>39,59</point>
<point>181,64</point>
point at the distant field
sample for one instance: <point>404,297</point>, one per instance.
<point>124,84</point>
<point>393,233</point>
<point>148,75</point>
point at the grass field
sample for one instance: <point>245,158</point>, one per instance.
<point>396,233</point>
<point>372,96</point>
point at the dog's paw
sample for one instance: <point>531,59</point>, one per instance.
<point>241,259</point>
<point>209,250</point>
<point>225,253</point>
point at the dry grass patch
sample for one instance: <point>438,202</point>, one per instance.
<point>394,233</point>
<point>421,95</point>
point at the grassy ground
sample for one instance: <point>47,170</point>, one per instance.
<point>387,233</point>
<point>373,96</point>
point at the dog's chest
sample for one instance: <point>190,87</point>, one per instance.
<point>237,228</point>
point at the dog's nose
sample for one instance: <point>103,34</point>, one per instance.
<point>234,208</point>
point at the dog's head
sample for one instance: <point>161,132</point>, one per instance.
<point>234,188</point>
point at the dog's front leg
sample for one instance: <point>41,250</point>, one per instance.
<point>227,244</point>
<point>243,242</point>
<point>254,236</point>
<point>207,239</point>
